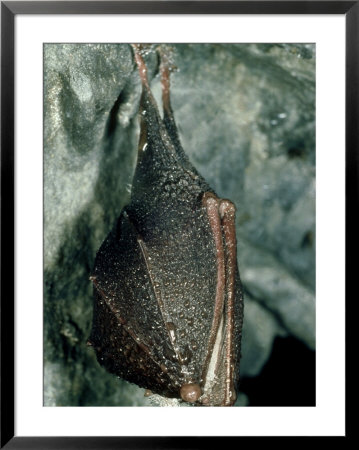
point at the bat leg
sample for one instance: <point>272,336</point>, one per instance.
<point>227,212</point>
<point>142,68</point>
<point>151,123</point>
<point>154,133</point>
<point>166,67</point>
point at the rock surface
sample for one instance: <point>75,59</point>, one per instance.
<point>246,115</point>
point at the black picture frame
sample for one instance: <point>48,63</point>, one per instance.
<point>9,10</point>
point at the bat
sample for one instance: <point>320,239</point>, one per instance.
<point>168,302</point>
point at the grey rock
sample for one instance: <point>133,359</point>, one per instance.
<point>284,296</point>
<point>259,330</point>
<point>246,116</point>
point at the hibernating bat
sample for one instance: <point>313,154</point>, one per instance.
<point>168,305</point>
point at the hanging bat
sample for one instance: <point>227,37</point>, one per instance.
<point>168,304</point>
